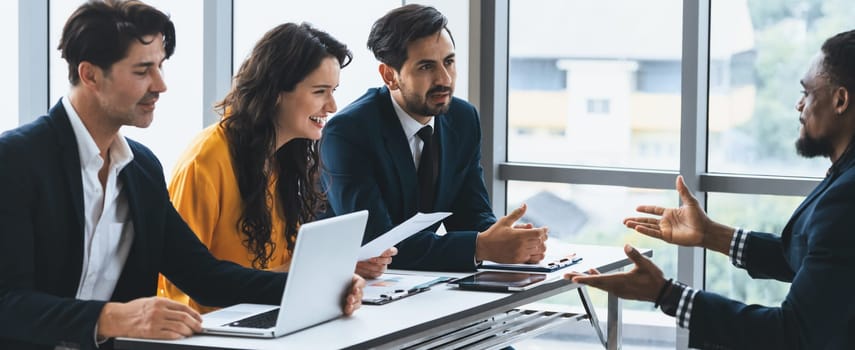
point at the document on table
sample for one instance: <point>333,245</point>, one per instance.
<point>399,233</point>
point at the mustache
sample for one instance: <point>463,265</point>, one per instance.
<point>439,89</point>
<point>151,96</point>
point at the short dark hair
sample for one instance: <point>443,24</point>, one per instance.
<point>101,32</point>
<point>391,34</point>
<point>839,61</point>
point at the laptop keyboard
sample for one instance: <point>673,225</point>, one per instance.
<point>262,320</point>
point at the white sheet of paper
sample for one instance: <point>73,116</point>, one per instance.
<point>399,233</point>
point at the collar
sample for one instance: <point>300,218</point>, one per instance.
<point>120,151</point>
<point>845,159</point>
<point>410,125</point>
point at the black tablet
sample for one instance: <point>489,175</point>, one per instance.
<point>498,281</point>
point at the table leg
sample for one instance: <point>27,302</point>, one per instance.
<point>615,324</point>
<point>592,314</point>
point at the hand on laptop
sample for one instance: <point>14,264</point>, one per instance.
<point>353,300</point>
<point>153,318</point>
<point>510,243</point>
<point>376,266</point>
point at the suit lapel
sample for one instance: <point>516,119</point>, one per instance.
<point>131,179</point>
<point>399,151</point>
<point>69,159</point>
<point>845,162</point>
<point>787,232</point>
<point>813,194</point>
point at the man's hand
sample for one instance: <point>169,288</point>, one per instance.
<point>376,266</point>
<point>643,282</point>
<point>687,225</point>
<point>505,242</point>
<point>353,300</point>
<point>534,259</point>
<point>152,318</point>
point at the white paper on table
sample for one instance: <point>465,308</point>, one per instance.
<point>413,225</point>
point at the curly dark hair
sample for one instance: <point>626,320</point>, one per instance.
<point>283,57</point>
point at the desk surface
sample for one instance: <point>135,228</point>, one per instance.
<point>378,325</point>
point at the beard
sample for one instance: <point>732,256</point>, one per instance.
<point>810,147</point>
<point>418,104</point>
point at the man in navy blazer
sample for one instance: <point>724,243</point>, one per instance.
<point>371,153</point>
<point>814,252</point>
<point>86,223</point>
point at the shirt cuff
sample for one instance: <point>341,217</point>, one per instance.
<point>98,340</point>
<point>684,307</point>
<point>737,248</point>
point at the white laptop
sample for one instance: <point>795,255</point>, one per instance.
<point>320,276</point>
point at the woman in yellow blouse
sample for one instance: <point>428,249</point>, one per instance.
<point>246,183</point>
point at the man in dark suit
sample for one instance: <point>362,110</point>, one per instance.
<point>85,220</point>
<point>411,147</point>
<point>813,253</point>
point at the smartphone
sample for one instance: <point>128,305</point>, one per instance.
<point>499,281</point>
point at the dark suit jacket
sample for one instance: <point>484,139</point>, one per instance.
<point>41,241</point>
<point>368,165</point>
<point>816,253</point>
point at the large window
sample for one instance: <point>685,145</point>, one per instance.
<point>595,82</point>
<point>658,88</point>
<point>179,111</point>
<point>758,52</point>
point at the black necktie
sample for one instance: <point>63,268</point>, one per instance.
<point>427,172</point>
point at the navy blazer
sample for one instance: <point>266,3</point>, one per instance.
<point>367,164</point>
<point>41,241</point>
<point>816,253</point>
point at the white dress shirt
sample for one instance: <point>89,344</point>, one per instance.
<point>411,130</point>
<point>108,232</point>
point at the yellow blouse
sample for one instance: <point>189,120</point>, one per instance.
<point>205,192</point>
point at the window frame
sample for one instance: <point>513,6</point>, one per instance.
<point>489,91</point>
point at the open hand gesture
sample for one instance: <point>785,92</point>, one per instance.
<point>687,225</point>
<point>641,283</point>
<point>684,225</point>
